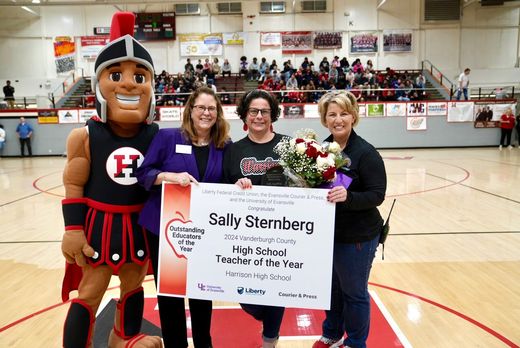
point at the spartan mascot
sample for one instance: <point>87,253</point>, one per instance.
<point>103,199</point>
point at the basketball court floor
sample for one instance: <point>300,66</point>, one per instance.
<point>450,275</point>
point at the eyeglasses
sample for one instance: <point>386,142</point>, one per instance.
<point>254,112</point>
<point>201,109</point>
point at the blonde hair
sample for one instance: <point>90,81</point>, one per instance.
<point>345,100</point>
<point>219,133</point>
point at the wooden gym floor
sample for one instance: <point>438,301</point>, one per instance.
<point>450,277</point>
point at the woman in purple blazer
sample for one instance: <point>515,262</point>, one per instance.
<point>191,153</point>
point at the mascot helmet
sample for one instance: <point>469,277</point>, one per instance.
<point>122,47</point>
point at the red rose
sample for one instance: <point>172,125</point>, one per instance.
<point>299,140</point>
<point>329,173</point>
<point>323,154</point>
<point>311,151</point>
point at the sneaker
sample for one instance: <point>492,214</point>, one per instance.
<point>500,147</point>
<point>325,342</point>
<point>509,147</point>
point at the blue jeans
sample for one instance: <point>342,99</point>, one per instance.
<point>465,91</point>
<point>270,316</point>
<point>350,302</point>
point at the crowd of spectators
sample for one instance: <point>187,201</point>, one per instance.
<point>303,84</point>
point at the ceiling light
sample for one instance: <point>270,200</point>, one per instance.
<point>35,1</point>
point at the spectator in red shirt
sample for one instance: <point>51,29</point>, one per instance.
<point>507,123</point>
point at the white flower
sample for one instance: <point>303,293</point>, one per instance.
<point>331,159</point>
<point>292,142</point>
<point>322,162</point>
<point>301,147</point>
<point>334,147</point>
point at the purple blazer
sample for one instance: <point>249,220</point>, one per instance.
<point>163,156</point>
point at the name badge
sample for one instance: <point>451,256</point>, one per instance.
<point>185,149</point>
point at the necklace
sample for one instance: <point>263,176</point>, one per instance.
<point>202,143</point>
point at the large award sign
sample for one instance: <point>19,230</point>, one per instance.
<point>267,245</point>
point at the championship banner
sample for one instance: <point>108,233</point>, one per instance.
<point>266,245</point>
<point>201,45</point>
<point>364,42</point>
<point>91,45</point>
<point>298,42</point>
<point>234,38</point>
<point>64,48</point>
<point>270,39</point>
<point>328,39</point>
<point>397,40</point>
<point>460,111</point>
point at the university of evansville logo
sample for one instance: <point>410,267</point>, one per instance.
<point>252,166</point>
<point>122,164</point>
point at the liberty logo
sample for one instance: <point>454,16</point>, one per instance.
<point>240,290</point>
<point>122,164</point>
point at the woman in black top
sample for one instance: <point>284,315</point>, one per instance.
<point>245,162</point>
<point>358,224</point>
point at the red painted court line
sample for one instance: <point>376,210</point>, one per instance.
<point>35,184</point>
<point>436,304</point>
<point>452,311</point>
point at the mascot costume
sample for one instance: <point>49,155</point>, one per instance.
<point>102,197</point>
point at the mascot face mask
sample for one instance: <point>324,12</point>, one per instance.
<point>127,88</point>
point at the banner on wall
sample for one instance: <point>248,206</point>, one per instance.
<point>437,109</point>
<point>397,40</point>
<point>68,116</point>
<point>48,117</point>
<point>201,44</point>
<point>416,123</point>
<point>258,246</point>
<point>416,109</point>
<point>64,50</point>
<point>270,39</point>
<point>91,45</point>
<point>311,111</point>
<point>170,114</point>
<point>487,115</point>
<point>237,38</point>
<point>375,110</point>
<point>362,110</point>
<point>363,42</point>
<point>86,114</point>
<point>293,111</point>
<point>328,39</point>
<point>460,111</point>
<point>395,109</point>
<point>297,42</point>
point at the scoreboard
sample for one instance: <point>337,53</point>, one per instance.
<point>154,26</point>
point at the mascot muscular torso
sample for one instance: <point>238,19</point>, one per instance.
<point>103,199</point>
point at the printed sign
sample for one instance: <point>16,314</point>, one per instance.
<point>258,246</point>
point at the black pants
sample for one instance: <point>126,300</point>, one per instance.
<point>25,142</point>
<point>173,315</point>
<point>505,133</point>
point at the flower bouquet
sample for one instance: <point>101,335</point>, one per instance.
<point>307,163</point>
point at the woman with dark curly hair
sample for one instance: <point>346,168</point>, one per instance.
<point>245,163</point>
